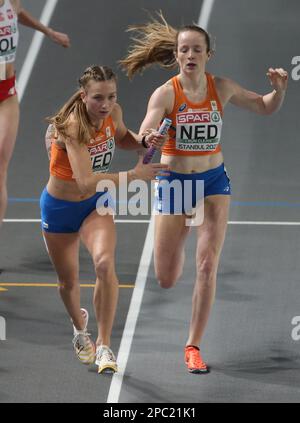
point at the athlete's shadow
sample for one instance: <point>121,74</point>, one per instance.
<point>279,367</point>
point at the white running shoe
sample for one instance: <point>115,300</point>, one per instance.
<point>105,360</point>
<point>83,345</point>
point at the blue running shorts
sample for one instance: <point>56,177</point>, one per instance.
<point>61,216</point>
<point>178,193</point>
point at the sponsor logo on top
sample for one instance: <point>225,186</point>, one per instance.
<point>10,14</point>
<point>194,117</point>
<point>214,105</point>
<point>5,30</point>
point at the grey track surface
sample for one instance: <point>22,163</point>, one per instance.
<point>248,340</point>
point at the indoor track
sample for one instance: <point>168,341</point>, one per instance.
<point>248,342</point>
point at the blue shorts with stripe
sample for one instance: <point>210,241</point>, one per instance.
<point>61,216</point>
<point>178,193</point>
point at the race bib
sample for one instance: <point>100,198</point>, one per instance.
<point>198,130</point>
<point>102,154</point>
<point>8,40</point>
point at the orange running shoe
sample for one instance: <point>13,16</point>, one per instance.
<point>194,361</point>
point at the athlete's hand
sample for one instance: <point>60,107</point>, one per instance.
<point>155,139</point>
<point>278,78</point>
<point>147,172</point>
<point>59,38</point>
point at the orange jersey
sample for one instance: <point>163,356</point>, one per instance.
<point>101,150</point>
<point>196,127</point>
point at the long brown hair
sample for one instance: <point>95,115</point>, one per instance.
<point>76,106</point>
<point>156,42</point>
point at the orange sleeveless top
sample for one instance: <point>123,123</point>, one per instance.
<point>101,150</point>
<point>196,127</point>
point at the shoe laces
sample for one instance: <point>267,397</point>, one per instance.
<point>106,353</point>
<point>195,359</point>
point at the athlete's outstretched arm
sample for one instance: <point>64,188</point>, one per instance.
<point>81,165</point>
<point>124,138</point>
<point>261,104</point>
<point>26,19</point>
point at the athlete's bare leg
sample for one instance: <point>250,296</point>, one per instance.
<point>211,235</point>
<point>99,236</point>
<point>9,122</point>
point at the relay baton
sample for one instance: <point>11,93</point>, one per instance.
<point>164,127</point>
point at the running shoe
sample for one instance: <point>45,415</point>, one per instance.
<point>105,360</point>
<point>194,361</point>
<point>83,345</point>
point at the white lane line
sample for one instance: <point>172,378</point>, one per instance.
<point>237,222</point>
<point>205,13</point>
<point>138,292</point>
<point>34,49</point>
<point>21,220</point>
<point>132,316</point>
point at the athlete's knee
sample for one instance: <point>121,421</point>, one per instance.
<point>166,283</point>
<point>66,284</point>
<point>165,279</point>
<point>104,265</point>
